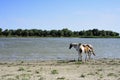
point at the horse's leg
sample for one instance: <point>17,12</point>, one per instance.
<point>86,57</point>
<point>80,56</point>
<point>89,54</point>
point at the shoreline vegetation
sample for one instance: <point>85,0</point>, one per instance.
<point>91,33</point>
<point>99,69</point>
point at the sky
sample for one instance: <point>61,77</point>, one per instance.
<point>75,15</point>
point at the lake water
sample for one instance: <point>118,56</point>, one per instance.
<point>12,49</point>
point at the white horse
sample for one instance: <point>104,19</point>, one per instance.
<point>83,48</point>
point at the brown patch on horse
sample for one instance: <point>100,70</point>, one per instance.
<point>86,49</point>
<point>91,48</point>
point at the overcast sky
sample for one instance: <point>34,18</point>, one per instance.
<point>58,14</point>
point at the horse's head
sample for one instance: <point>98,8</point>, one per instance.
<point>79,44</point>
<point>70,46</point>
<point>73,45</point>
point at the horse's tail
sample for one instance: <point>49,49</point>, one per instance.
<point>91,48</point>
<point>94,53</point>
<point>91,51</point>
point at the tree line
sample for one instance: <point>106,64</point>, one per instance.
<point>56,33</point>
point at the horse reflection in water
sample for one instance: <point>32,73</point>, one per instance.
<point>83,48</point>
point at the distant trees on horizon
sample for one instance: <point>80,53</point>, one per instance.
<point>57,33</point>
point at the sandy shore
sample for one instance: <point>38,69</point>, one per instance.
<point>101,69</point>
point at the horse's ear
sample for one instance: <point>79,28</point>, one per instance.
<point>70,46</point>
<point>79,44</point>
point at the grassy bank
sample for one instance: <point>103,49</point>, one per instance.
<point>101,69</point>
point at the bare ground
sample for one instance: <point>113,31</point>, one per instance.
<point>101,69</point>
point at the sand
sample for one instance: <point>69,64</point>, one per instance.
<point>101,69</point>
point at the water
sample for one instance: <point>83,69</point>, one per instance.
<point>12,49</point>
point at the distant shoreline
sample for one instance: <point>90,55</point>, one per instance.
<point>65,32</point>
<point>58,37</point>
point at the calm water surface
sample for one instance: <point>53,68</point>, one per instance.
<point>12,49</point>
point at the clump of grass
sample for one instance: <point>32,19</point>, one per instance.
<point>112,74</point>
<point>90,73</point>
<point>17,77</point>
<point>23,77</point>
<point>61,78</point>
<point>10,79</point>
<point>8,65</point>
<point>41,78</point>
<point>82,76</point>
<point>78,62</point>
<point>96,73</point>
<point>111,61</point>
<point>37,72</point>
<point>100,69</point>
<point>29,71</point>
<point>22,62</point>
<point>118,61</point>
<point>62,61</point>
<point>54,72</point>
<point>101,75</point>
<point>21,69</point>
<point>6,75</point>
<point>118,71</point>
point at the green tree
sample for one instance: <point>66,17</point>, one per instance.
<point>102,33</point>
<point>53,33</point>
<point>60,33</point>
<point>45,33</point>
<point>6,32</point>
<point>25,33</point>
<point>89,33</point>
<point>18,32</point>
<point>95,32</point>
<point>0,31</point>
<point>116,34</point>
<point>66,32</point>
<point>76,34</point>
<point>82,33</point>
<point>31,33</point>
